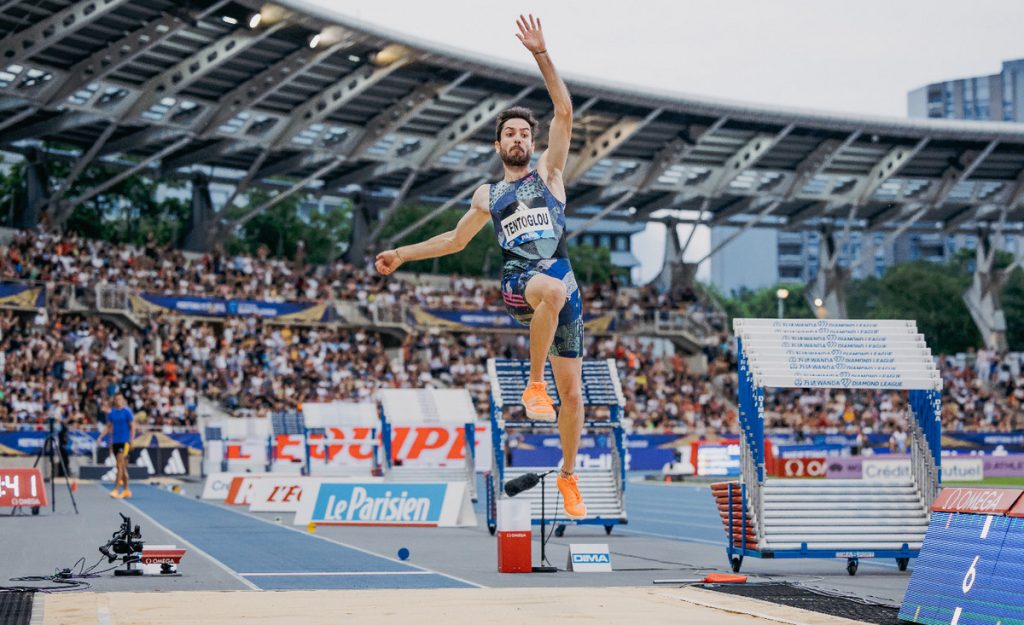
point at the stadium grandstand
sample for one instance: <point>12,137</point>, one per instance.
<point>232,109</point>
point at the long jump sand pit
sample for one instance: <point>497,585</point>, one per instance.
<point>495,606</point>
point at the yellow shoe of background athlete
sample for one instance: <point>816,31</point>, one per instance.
<point>116,494</point>
<point>539,406</point>
<point>127,494</point>
<point>573,501</point>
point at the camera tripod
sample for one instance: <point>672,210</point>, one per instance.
<point>51,448</point>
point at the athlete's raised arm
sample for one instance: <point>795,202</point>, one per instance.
<point>552,161</point>
<point>443,244</point>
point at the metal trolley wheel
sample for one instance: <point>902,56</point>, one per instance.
<point>902,563</point>
<point>737,562</point>
<point>851,566</point>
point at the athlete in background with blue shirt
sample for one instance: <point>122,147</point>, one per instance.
<point>121,428</point>
<point>527,208</point>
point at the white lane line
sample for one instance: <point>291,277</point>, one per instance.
<point>336,573</point>
<point>37,609</point>
<point>189,545</point>
<point>103,615</point>
<point>338,542</point>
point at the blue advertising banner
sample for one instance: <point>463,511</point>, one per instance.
<point>809,451</point>
<point>379,504</point>
<point>984,441</point>
<point>645,452</point>
<point>216,307</point>
<point>18,443</point>
<point>22,296</point>
<point>493,319</point>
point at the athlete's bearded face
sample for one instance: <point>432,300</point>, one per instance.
<point>516,145</point>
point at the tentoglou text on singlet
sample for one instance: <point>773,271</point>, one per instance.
<point>528,219</point>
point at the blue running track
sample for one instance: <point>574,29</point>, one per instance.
<point>272,557</point>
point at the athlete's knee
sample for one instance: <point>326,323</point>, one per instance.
<point>553,293</point>
<point>573,397</point>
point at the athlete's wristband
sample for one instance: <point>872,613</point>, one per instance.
<point>539,53</point>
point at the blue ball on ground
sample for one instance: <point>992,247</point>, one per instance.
<point>403,554</point>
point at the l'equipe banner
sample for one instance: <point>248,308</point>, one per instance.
<point>434,446</point>
<point>218,485</point>
<point>280,494</point>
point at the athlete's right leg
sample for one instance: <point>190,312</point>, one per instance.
<point>547,296</point>
<point>119,471</point>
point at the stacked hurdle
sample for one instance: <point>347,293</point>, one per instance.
<point>444,408</point>
<point>603,489</point>
<point>850,519</point>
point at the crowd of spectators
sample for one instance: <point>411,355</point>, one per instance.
<point>67,260</point>
<point>69,366</point>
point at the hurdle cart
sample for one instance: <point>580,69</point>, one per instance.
<point>850,519</point>
<point>603,488</point>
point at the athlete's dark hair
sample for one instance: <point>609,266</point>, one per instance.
<point>516,112</point>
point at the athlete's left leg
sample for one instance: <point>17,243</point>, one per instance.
<point>569,380</point>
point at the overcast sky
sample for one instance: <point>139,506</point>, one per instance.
<point>858,56</point>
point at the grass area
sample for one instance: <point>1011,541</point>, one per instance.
<point>992,481</point>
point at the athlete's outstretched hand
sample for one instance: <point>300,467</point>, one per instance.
<point>387,262</point>
<point>531,34</point>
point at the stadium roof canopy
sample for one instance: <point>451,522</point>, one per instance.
<point>186,85</point>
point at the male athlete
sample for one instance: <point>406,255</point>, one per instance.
<point>121,428</point>
<point>538,287</point>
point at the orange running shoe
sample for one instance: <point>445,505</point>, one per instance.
<point>127,494</point>
<point>571,498</point>
<point>116,494</point>
<point>539,406</point>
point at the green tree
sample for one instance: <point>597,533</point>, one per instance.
<point>11,183</point>
<point>480,258</point>
<point>929,293</point>
<point>126,212</point>
<point>285,224</point>
<point>1013,308</point>
<point>764,303</point>
<point>592,264</point>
